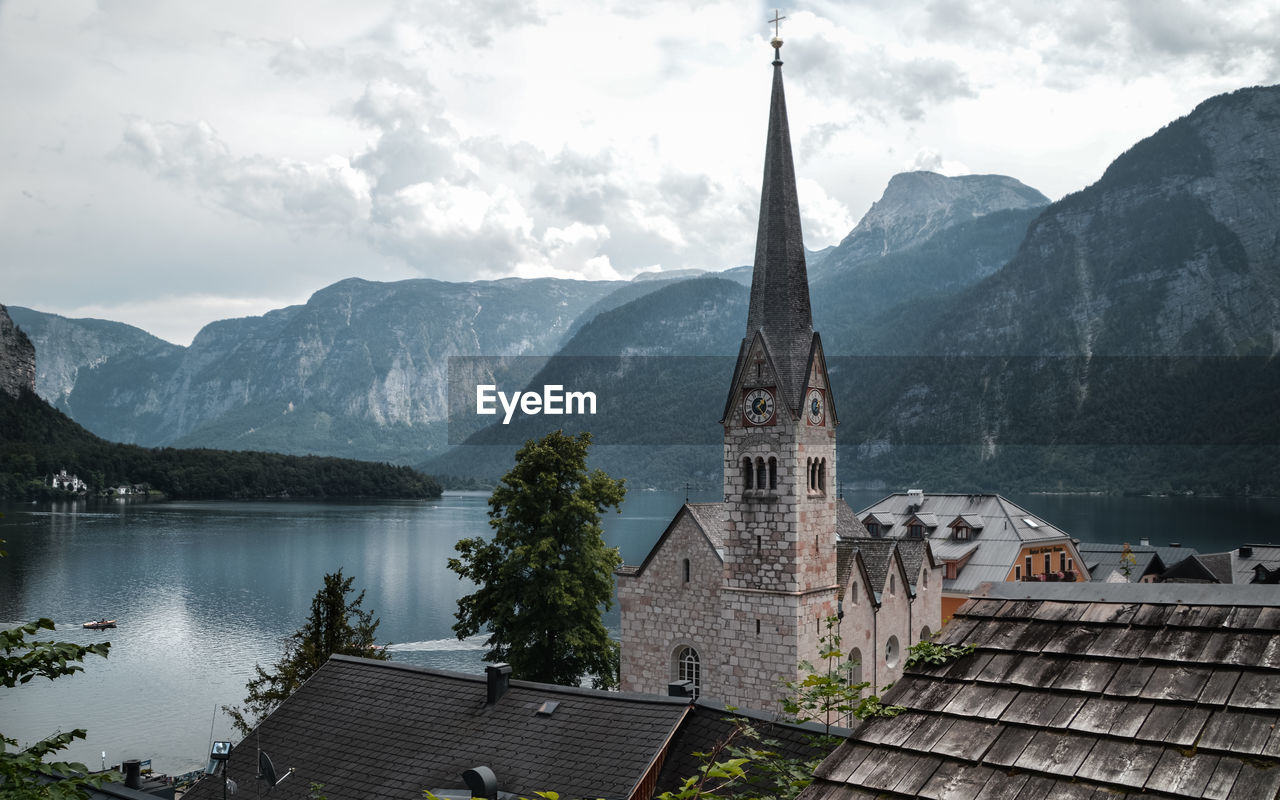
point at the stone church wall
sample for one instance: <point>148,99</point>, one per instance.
<point>661,612</point>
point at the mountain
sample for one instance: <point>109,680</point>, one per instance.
<point>917,205</point>
<point>17,358</point>
<point>67,346</point>
<point>1173,251</point>
<point>37,441</point>
<point>1130,341</point>
<point>358,370</point>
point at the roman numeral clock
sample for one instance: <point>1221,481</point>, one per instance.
<point>758,407</point>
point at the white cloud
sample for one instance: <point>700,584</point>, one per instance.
<point>261,151</point>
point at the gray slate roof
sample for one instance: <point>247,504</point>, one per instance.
<point>376,729</point>
<point>1103,558</point>
<point>1004,532</point>
<point>709,517</point>
<point>1087,690</point>
<point>709,723</point>
<point>1234,566</point>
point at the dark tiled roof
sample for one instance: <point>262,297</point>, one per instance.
<point>376,729</point>
<point>846,562</point>
<point>1192,569</point>
<point>913,552</point>
<point>877,556</point>
<point>1103,558</point>
<point>848,526</point>
<point>1083,691</point>
<point>709,724</point>
<point>709,517</point>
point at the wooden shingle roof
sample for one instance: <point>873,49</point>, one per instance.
<point>1083,691</point>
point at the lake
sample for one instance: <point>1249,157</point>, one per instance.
<point>203,591</point>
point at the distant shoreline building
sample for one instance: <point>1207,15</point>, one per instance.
<point>735,594</point>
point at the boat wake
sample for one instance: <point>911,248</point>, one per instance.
<point>476,642</point>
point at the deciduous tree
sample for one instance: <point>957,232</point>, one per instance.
<point>546,575</point>
<point>336,625</point>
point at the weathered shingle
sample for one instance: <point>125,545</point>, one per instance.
<point>1084,690</point>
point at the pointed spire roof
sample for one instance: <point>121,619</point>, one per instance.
<point>780,283</point>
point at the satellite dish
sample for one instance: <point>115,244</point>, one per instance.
<point>267,771</point>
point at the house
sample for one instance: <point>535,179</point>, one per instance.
<point>978,538</point>
<point>1093,690</point>
<point>68,483</point>
<point>368,729</point>
<point>734,595</point>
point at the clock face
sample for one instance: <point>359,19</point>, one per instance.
<point>815,407</point>
<point>758,406</point>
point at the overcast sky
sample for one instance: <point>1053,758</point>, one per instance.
<point>169,163</point>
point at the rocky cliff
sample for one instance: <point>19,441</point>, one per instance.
<point>17,358</point>
<point>360,369</point>
<point>1174,251</point>
<point>917,205</point>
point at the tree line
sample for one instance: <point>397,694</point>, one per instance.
<point>37,441</point>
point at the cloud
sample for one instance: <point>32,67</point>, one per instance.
<point>264,189</point>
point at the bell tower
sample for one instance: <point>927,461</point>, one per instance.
<point>779,442</point>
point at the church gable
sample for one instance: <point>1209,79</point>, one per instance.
<point>819,403</point>
<point>695,525</point>
<point>756,373</point>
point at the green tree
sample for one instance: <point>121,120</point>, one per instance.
<point>336,625</point>
<point>545,577</point>
<point>24,774</point>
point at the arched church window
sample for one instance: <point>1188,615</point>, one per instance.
<point>689,668</point>
<point>853,593</point>
<point>773,473</point>
<point>760,474</point>
<point>746,473</point>
<point>855,666</point>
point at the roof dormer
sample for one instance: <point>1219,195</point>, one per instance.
<point>965,527</point>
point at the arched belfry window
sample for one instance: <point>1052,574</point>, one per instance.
<point>761,477</point>
<point>773,473</point>
<point>822,475</point>
<point>689,668</point>
<point>747,473</point>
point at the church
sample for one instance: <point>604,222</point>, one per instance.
<point>734,595</point>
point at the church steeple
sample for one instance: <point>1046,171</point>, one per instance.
<point>779,307</point>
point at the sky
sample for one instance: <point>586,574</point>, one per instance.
<point>168,163</point>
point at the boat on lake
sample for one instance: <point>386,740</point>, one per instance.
<point>101,624</point>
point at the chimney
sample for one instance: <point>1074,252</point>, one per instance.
<point>481,780</point>
<point>1144,542</point>
<point>680,689</point>
<point>133,773</point>
<point>1246,550</point>
<point>499,679</point>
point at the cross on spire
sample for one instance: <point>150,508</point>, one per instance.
<point>776,19</point>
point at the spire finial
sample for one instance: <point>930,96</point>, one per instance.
<point>777,39</point>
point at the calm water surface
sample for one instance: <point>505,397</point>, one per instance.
<point>203,591</point>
